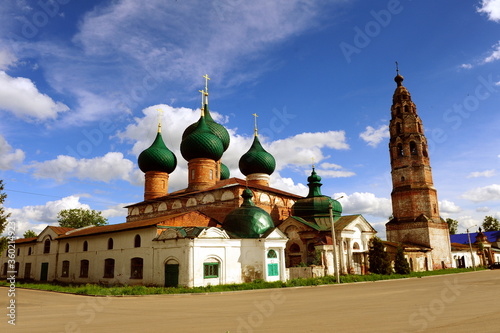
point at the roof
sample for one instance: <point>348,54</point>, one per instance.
<point>222,184</point>
<point>60,230</point>
<point>493,236</point>
<point>26,240</point>
<point>407,246</point>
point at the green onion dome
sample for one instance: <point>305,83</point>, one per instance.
<point>257,160</point>
<point>224,172</point>
<point>315,204</point>
<point>201,143</point>
<point>157,157</point>
<point>219,130</point>
<point>247,221</point>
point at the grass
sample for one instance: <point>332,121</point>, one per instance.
<point>103,290</point>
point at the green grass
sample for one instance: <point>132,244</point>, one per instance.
<point>102,290</point>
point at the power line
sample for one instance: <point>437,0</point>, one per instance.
<point>59,197</point>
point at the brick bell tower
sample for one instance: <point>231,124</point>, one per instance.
<point>415,208</point>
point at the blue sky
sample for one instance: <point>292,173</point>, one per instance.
<point>81,82</point>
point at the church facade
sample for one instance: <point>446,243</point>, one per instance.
<point>218,230</point>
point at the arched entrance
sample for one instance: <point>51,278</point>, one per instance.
<point>171,273</point>
<point>272,260</point>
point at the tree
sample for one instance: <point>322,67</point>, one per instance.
<point>491,223</point>
<point>29,234</point>
<point>401,266</point>
<point>379,259</point>
<point>3,218</point>
<point>79,217</point>
<point>452,225</point>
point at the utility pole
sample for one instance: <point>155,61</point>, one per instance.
<point>334,244</point>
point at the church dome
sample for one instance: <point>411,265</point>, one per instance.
<point>315,204</point>
<point>219,130</point>
<point>257,160</point>
<point>157,157</point>
<point>201,143</point>
<point>247,221</point>
<point>224,172</point>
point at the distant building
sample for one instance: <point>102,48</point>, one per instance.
<point>485,248</point>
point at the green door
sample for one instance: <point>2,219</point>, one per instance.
<point>171,275</point>
<point>45,271</point>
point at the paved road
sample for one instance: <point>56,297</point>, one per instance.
<point>467,302</point>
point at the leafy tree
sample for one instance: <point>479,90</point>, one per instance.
<point>379,259</point>
<point>3,217</point>
<point>29,234</point>
<point>401,266</point>
<point>452,225</point>
<point>491,223</point>
<point>79,217</point>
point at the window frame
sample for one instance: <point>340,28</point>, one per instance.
<point>109,268</point>
<point>208,270</point>
<point>138,264</point>
<point>84,273</point>
<point>46,246</point>
<point>65,268</point>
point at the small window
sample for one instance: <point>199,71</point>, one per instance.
<point>211,174</point>
<point>310,247</point>
<point>402,179</point>
<point>192,173</point>
<point>29,251</point>
<point>5,269</point>
<point>294,248</point>
<point>137,241</point>
<point>65,268</point>
<point>110,244</point>
<point>424,151</point>
<point>401,152</point>
<point>109,268</point>
<point>66,248</point>
<point>136,265</point>
<point>398,128</point>
<point>272,254</point>
<point>18,251</point>
<point>46,246</point>
<point>84,269</point>
<point>210,270</point>
<point>85,246</point>
<point>413,148</point>
<point>355,246</point>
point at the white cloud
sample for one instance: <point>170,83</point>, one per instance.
<point>38,217</point>
<point>106,168</point>
<point>298,150</point>
<point>21,97</point>
<point>116,211</point>
<point>288,185</point>
<point>490,8</point>
<point>486,193</point>
<point>448,207</point>
<point>364,203</point>
<point>374,136</point>
<point>7,59</point>
<point>466,66</point>
<point>486,173</point>
<point>482,209</point>
<point>494,55</point>
<point>9,157</point>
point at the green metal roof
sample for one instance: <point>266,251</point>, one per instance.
<point>257,160</point>
<point>224,172</point>
<point>157,157</point>
<point>248,221</point>
<point>202,143</point>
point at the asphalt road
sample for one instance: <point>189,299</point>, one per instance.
<point>467,302</point>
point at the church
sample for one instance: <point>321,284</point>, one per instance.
<point>218,230</point>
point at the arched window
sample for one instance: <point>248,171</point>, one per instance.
<point>85,246</point>
<point>402,178</point>
<point>65,268</point>
<point>407,109</point>
<point>355,246</point>
<point>137,241</point>
<point>413,148</point>
<point>424,151</point>
<point>84,269</point>
<point>419,128</point>
<point>401,152</point>
<point>294,247</point>
<point>272,254</point>
<point>398,128</point>
<point>310,247</point>
<point>136,265</point>
<point>110,244</point>
<point>109,268</point>
<point>398,109</point>
<point>46,246</point>
<point>66,248</point>
<point>211,269</point>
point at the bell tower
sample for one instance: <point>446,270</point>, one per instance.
<point>415,208</point>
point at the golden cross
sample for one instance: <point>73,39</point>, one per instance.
<point>160,114</point>
<point>203,94</point>
<point>255,131</point>
<point>397,68</point>
<point>312,159</point>
<point>206,82</point>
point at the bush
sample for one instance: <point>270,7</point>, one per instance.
<point>379,259</point>
<point>401,266</point>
